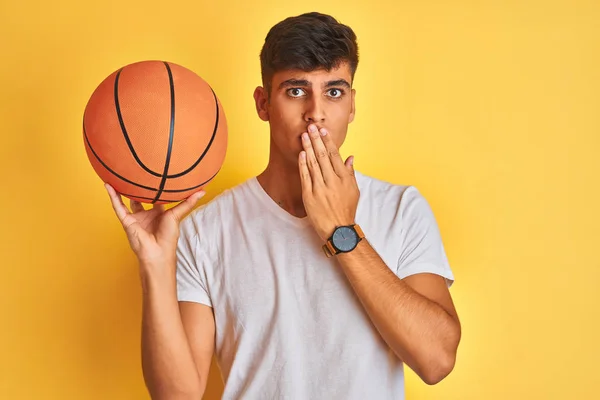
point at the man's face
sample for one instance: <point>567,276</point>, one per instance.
<point>298,98</point>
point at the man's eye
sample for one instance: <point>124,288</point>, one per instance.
<point>295,92</point>
<point>335,93</point>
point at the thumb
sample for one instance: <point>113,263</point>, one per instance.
<point>181,210</point>
<point>350,164</point>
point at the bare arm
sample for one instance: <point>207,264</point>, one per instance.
<point>177,342</point>
<point>199,324</point>
<point>415,316</point>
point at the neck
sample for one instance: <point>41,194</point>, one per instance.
<point>281,181</point>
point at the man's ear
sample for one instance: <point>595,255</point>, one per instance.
<point>353,109</point>
<point>261,101</point>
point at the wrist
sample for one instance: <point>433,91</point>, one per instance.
<point>157,276</point>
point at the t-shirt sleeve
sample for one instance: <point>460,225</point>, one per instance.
<point>422,247</point>
<point>191,275</point>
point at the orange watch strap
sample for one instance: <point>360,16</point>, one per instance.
<point>329,249</point>
<point>360,232</point>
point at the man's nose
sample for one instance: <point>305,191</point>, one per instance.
<point>315,111</point>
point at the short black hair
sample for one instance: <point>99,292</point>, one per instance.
<point>307,42</point>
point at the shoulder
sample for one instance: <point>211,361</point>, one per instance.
<point>217,212</point>
<point>385,192</point>
<point>393,200</point>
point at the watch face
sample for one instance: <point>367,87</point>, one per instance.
<point>344,238</point>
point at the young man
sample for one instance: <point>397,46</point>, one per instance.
<point>311,280</point>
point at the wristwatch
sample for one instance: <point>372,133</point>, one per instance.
<point>344,239</point>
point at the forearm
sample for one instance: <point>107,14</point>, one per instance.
<point>167,363</point>
<point>418,330</point>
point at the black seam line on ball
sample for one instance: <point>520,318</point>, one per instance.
<point>170,191</point>
<point>137,184</point>
<point>163,181</point>
<point>108,168</point>
<point>210,143</point>
<point>130,145</point>
<point>124,130</point>
<point>193,187</point>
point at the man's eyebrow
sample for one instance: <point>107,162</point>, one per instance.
<point>295,82</point>
<point>338,82</point>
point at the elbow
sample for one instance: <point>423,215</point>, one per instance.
<point>441,363</point>
<point>439,369</point>
<point>443,360</point>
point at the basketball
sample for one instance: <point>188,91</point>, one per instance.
<point>155,131</point>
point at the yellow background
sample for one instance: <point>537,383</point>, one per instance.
<point>491,108</point>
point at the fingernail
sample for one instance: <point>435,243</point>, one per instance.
<point>352,160</point>
<point>305,136</point>
<point>323,132</point>
<point>312,128</point>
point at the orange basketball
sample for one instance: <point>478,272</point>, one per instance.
<point>155,131</point>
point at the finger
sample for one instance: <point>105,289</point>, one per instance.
<point>136,206</point>
<point>158,209</point>
<point>349,164</point>
<point>321,153</point>
<point>313,165</point>
<point>117,203</point>
<point>116,194</point>
<point>304,173</point>
<point>183,208</point>
<point>333,152</point>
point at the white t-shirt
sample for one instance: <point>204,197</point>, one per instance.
<point>288,323</point>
